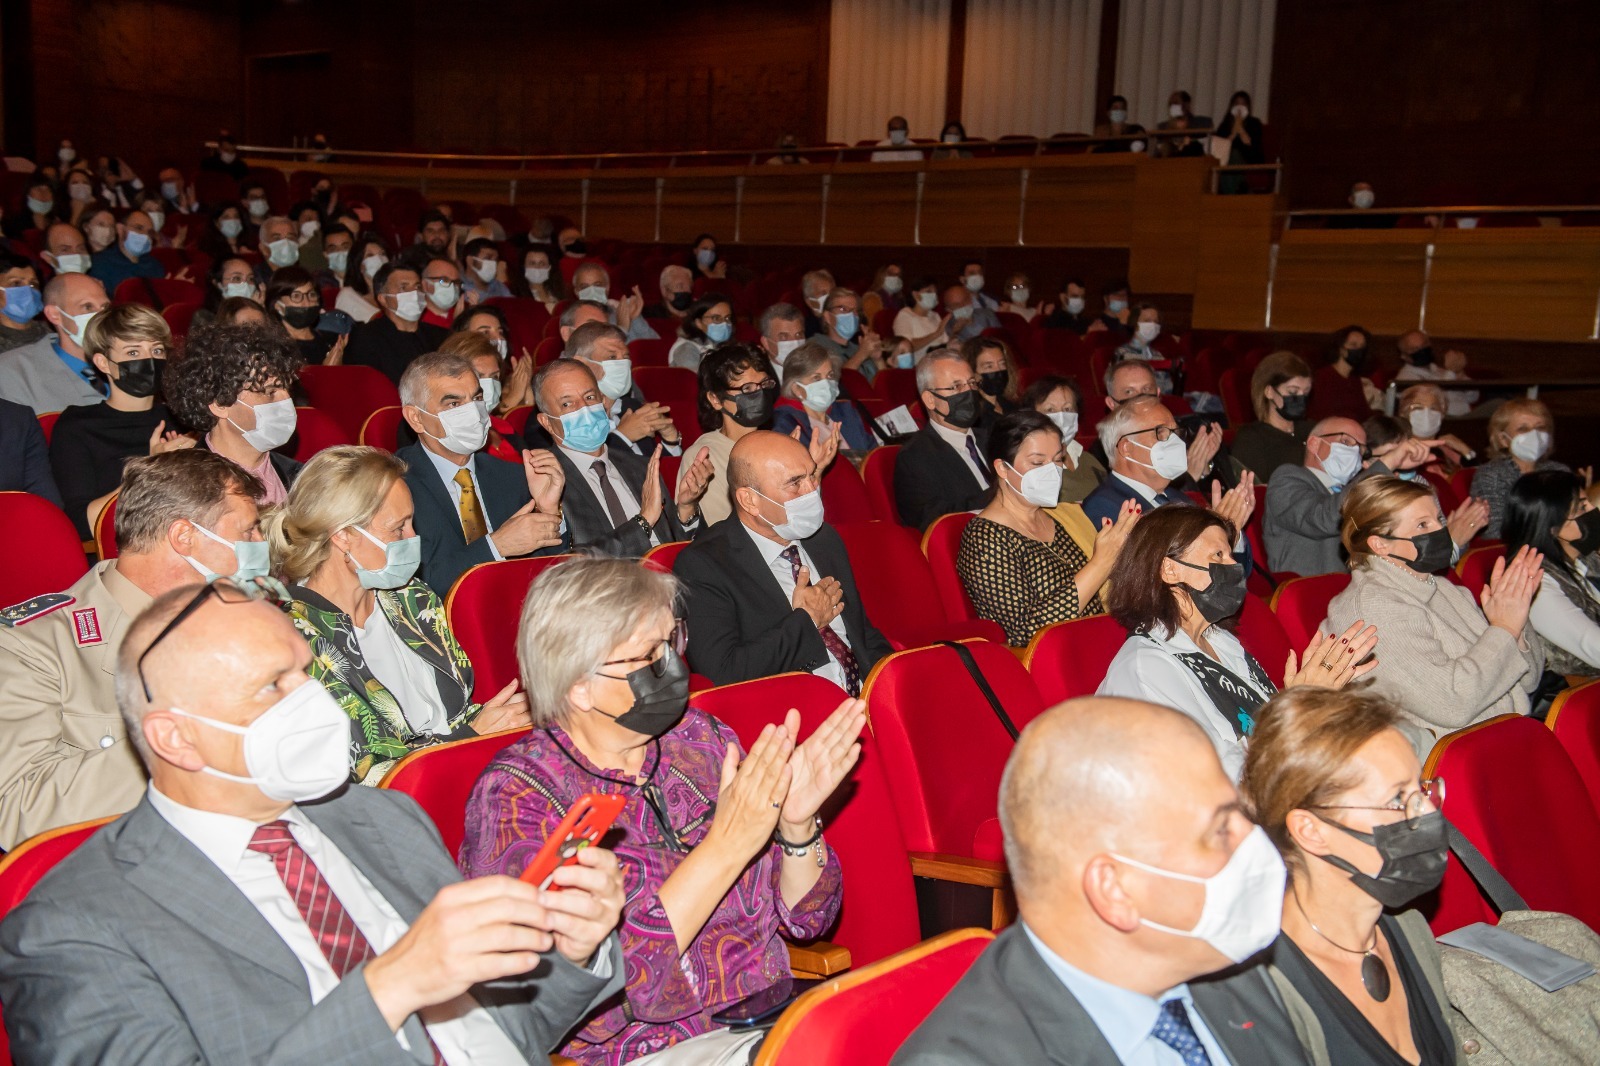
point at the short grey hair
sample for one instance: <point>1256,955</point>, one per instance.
<point>261,230</point>
<point>1111,371</point>
<point>129,689</point>
<point>671,269</point>
<point>814,278</point>
<point>780,313</point>
<point>576,613</point>
<point>926,364</point>
<point>839,293</point>
<point>586,336</point>
<point>592,264</point>
<point>549,370</point>
<point>414,382</point>
<point>570,315</point>
<point>1118,423</point>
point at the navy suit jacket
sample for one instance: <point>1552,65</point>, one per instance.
<point>1108,497</point>
<point>24,455</point>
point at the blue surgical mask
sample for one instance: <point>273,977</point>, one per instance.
<point>719,332</point>
<point>1116,307</point>
<point>904,361</point>
<point>251,556</point>
<point>137,243</point>
<point>400,560</point>
<point>230,227</point>
<point>22,303</point>
<point>706,257</point>
<point>244,289</point>
<point>169,189</point>
<point>845,323</point>
<point>586,429</point>
<point>821,394</point>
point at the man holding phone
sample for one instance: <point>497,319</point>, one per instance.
<point>255,908</point>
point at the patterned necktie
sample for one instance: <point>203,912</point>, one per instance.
<point>977,460</point>
<point>832,641</point>
<point>1174,1030</point>
<point>609,493</point>
<point>330,924</point>
<point>472,523</point>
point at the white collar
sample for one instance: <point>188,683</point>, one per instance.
<point>1145,492</point>
<point>583,460</point>
<point>770,549</point>
<point>222,838</point>
<point>956,438</point>
<point>448,470</point>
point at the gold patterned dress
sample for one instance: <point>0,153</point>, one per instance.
<point>1022,583</point>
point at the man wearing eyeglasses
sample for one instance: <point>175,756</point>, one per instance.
<point>253,907</point>
<point>181,517</point>
<point>940,470</point>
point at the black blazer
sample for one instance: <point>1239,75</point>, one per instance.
<point>930,479</point>
<point>446,555</point>
<point>24,455</point>
<point>741,626</point>
<point>1105,502</point>
<point>1010,1007</point>
<point>590,526</point>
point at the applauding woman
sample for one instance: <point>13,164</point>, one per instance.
<point>1548,512</point>
<point>722,851</point>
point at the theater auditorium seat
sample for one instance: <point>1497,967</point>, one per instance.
<point>314,431</point>
<point>1262,636</point>
<point>1070,659</point>
<point>1476,566</point>
<point>676,388</point>
<point>878,472</point>
<point>45,553</point>
<point>381,429</point>
<point>940,545</point>
<point>897,588</point>
<point>105,529</point>
<point>844,494</point>
<point>1575,720</point>
<point>348,393</point>
<point>1301,604</point>
<point>441,778</point>
<point>484,609</point>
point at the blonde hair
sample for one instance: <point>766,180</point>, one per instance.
<point>469,344</point>
<point>1274,371</point>
<point>340,487</point>
<point>1369,509</point>
<point>125,322</point>
<point>1500,421</point>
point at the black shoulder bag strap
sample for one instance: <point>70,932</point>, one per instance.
<point>983,686</point>
<point>1492,883</point>
<point>155,298</point>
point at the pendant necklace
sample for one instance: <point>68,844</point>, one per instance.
<point>1374,974</point>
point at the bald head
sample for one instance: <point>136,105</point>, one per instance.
<point>1411,340</point>
<point>765,471</point>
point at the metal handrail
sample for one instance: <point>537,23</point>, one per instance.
<point>1470,209</point>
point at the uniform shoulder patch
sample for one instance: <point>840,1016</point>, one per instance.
<point>86,627</point>
<point>22,613</point>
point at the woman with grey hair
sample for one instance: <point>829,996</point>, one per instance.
<point>722,850</point>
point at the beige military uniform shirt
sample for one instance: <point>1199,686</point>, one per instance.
<point>65,756</point>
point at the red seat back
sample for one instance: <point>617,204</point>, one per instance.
<point>1263,637</point>
<point>897,386</point>
<point>1461,482</point>
<point>1301,604</point>
<point>896,587</point>
<point>441,778</point>
<point>854,383</point>
<point>651,351</point>
<point>940,545</point>
<point>863,1017</point>
<point>1069,659</point>
<point>47,424</point>
<point>314,431</point>
<point>1575,720</point>
<point>1234,385</point>
<point>677,388</point>
<point>943,746</point>
<point>664,556</point>
<point>844,494</point>
<point>382,429</point>
<point>877,471</point>
<point>525,319</point>
<point>1476,566</point>
<point>484,609</point>
<point>167,291</point>
<point>43,552</point>
<point>348,394</point>
<point>879,916</point>
<point>1512,790</point>
<point>178,317</point>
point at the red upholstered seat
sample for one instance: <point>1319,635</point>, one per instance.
<point>547,350</point>
<point>1264,638</point>
<point>1070,659</point>
<point>1515,794</point>
<point>1476,566</point>
<point>178,317</point>
<point>440,778</point>
<point>1575,720</point>
<point>42,551</point>
<point>863,1017</point>
<point>348,393</point>
<point>1301,604</point>
<point>897,588</point>
<point>382,428</point>
<point>47,424</point>
<point>897,386</point>
<point>664,556</point>
<point>166,291</point>
<point>940,545</point>
<point>1461,482</point>
<point>677,388</point>
<point>651,352</point>
<point>879,916</point>
<point>855,383</point>
<point>878,473</point>
<point>314,431</point>
<point>105,529</point>
<point>484,608</point>
<point>525,318</point>
<point>844,494</point>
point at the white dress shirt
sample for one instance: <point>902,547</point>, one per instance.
<point>447,473</point>
<point>957,439</point>
<point>407,675</point>
<point>1561,622</point>
<point>465,1033</point>
<point>772,552</point>
<point>585,464</point>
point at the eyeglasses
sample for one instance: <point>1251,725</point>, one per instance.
<point>657,659</point>
<point>303,299</point>
<point>1414,805</point>
<point>1342,438</point>
<point>717,320</point>
<point>752,386</point>
<point>1161,432</point>
<point>960,386</point>
<point>228,591</point>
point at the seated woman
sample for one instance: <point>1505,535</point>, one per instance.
<point>294,304</point>
<point>1338,389</point>
<point>1144,322</point>
<point>1332,780</point>
<point>127,345</point>
<point>504,440</point>
<point>489,321</point>
<point>885,294</point>
<point>1446,663</point>
<point>809,401</point>
<point>1549,513</point>
<point>355,295</point>
<point>232,384</point>
<point>998,381</point>
<point>1422,407</point>
<point>737,393</point>
<point>1177,589</point>
<point>1280,392</point>
<point>954,133</point>
<point>919,322</point>
<point>722,852</point>
<point>1018,563</point>
<point>1519,442</point>
<point>1058,399</point>
<point>380,644</point>
<point>537,281</point>
<point>240,311</point>
<point>1018,299</point>
<point>219,239</point>
<point>708,323</point>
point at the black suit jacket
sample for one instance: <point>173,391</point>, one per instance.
<point>590,526</point>
<point>930,479</point>
<point>742,626</point>
<point>446,555</point>
<point>1010,1007</point>
<point>24,455</point>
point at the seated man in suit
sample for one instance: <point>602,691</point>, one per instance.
<point>181,516</point>
<point>1112,811</point>
<point>1301,516</point>
<point>941,470</point>
<point>636,424</point>
<point>771,589</point>
<point>470,508</point>
<point>24,455</point>
<point>228,908</point>
<point>615,501</point>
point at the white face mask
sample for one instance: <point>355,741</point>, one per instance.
<point>275,423</point>
<point>1426,422</point>
<point>408,305</point>
<point>501,346</point>
<point>897,136</point>
<point>537,275</point>
<point>157,219</point>
<point>1466,222</point>
<point>1020,296</point>
<point>785,348</point>
<point>283,252</point>
<point>1041,486</point>
<point>1343,462</point>
<point>492,390</point>
<point>1066,421</point>
<point>444,295</point>
<point>230,227</point>
<point>1244,899</point>
<point>298,749</point>
<point>372,264</point>
<point>820,395</point>
<point>257,208</point>
<point>1175,110</point>
<point>485,270</point>
<point>1168,458</point>
<point>239,289</point>
<point>308,229</point>
<point>1530,446</point>
<point>1149,331</point>
<point>1074,305</point>
<point>892,283</point>
<point>74,325</point>
<point>927,300</point>
<point>802,516</point>
<point>338,262</point>
<point>72,263</point>
<point>466,428</point>
<point>251,558</point>
<point>974,282</point>
<point>595,293</point>
<point>1363,199</point>
<point>1117,115</point>
<point>1240,111</point>
<point>616,377</point>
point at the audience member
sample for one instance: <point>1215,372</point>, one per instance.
<point>1246,140</point>
<point>972,280</point>
<point>894,148</point>
<point>294,304</point>
<point>1070,313</point>
<point>65,250</point>
<point>814,288</point>
<point>1115,317</point>
<point>1130,381</point>
<point>466,511</point>
<point>1116,133</point>
<point>703,259</point>
<point>1391,440</point>
<point>228,906</point>
<point>708,323</point>
<point>20,302</point>
<point>67,758</point>
<point>1019,296</point>
<point>1058,399</point>
<point>738,391</point>
<point>777,543</point>
<point>537,280</point>
<point>854,345</point>
<point>965,317</point>
<point>1361,199</point>
<point>433,233</point>
<point>783,330</point>
<point>83,207</point>
<point>38,210</point>
<point>219,238</point>
<point>591,282</point>
<point>24,454</point>
<point>51,373</point>
<point>480,280</point>
<point>1420,364</point>
<point>722,852</point>
<point>1136,874</point>
<point>810,408</point>
<point>391,342</point>
<point>356,297</point>
<point>999,382</point>
<point>677,293</point>
<point>1018,563</point>
<point>940,469</point>
<point>1338,389</point>
<point>886,294</point>
<point>240,311</point>
<point>1144,321</point>
<point>1280,392</point>
<point>919,323</point>
<point>231,277</point>
<point>1422,406</point>
<point>1301,516</point>
<point>1181,652</point>
<point>1548,513</point>
<point>504,442</point>
<point>1146,428</point>
<point>224,158</point>
<point>954,133</point>
<point>278,244</point>
<point>1181,117</point>
<point>1520,442</point>
<point>338,244</point>
<point>1446,664</point>
<point>636,424</point>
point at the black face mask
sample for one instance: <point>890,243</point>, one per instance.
<point>301,317</point>
<point>578,247</point>
<point>1355,358</point>
<point>993,383</point>
<point>139,377</point>
<point>659,700</point>
<point>752,409</point>
<point>962,409</point>
<point>1422,356</point>
<point>1433,551</point>
<point>1588,532</point>
<point>1294,406</point>
<point>682,300</point>
<point>1413,859</point>
<point>1224,597</point>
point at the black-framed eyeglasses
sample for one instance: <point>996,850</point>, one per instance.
<point>961,386</point>
<point>1414,805</point>
<point>1341,438</point>
<point>750,387</point>
<point>656,800</point>
<point>1161,432</point>
<point>228,591</point>
<point>657,659</point>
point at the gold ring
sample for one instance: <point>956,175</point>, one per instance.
<point>1326,665</point>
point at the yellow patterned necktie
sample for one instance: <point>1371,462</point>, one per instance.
<point>472,523</point>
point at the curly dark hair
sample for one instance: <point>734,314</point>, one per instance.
<point>718,369</point>
<point>219,362</point>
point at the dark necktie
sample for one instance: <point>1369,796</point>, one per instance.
<point>609,494</point>
<point>1174,1030</point>
<point>832,641</point>
<point>977,460</point>
<point>331,925</point>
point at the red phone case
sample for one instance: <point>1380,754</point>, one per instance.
<point>584,825</point>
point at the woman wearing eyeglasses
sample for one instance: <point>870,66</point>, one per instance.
<point>294,305</point>
<point>708,323</point>
<point>1337,787</point>
<point>722,851</point>
<point>738,390</point>
<point>380,643</point>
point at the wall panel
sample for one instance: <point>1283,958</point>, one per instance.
<point>1030,66</point>
<point>887,57</point>
<point>1212,48</point>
